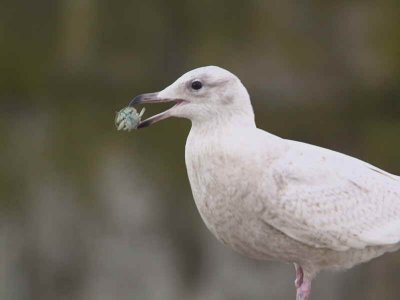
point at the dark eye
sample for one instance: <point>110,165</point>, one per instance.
<point>196,85</point>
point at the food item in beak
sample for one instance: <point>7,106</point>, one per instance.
<point>128,118</point>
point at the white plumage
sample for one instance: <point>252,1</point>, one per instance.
<point>272,198</point>
<point>333,200</point>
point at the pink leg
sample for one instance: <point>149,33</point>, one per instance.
<point>303,285</point>
<point>299,276</point>
<point>304,291</point>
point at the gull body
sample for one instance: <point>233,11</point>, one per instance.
<point>271,198</point>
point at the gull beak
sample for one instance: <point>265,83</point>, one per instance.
<point>154,98</point>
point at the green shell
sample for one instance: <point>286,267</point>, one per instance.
<point>128,118</point>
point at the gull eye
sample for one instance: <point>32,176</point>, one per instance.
<point>196,85</point>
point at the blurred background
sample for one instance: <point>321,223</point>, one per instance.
<point>91,213</point>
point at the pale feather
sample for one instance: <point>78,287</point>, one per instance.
<point>331,200</point>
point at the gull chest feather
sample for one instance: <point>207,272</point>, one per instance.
<point>219,189</point>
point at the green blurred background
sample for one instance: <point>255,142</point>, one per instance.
<point>91,213</point>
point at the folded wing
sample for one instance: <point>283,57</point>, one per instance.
<point>331,200</point>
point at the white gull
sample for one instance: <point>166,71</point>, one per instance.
<point>272,198</point>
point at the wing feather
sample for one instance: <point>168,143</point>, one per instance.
<point>331,200</point>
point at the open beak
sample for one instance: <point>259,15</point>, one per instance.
<point>154,98</point>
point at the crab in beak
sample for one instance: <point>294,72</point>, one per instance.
<point>155,98</point>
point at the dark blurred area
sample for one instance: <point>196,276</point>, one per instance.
<point>91,213</point>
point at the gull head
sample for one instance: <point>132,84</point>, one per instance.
<point>204,95</point>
